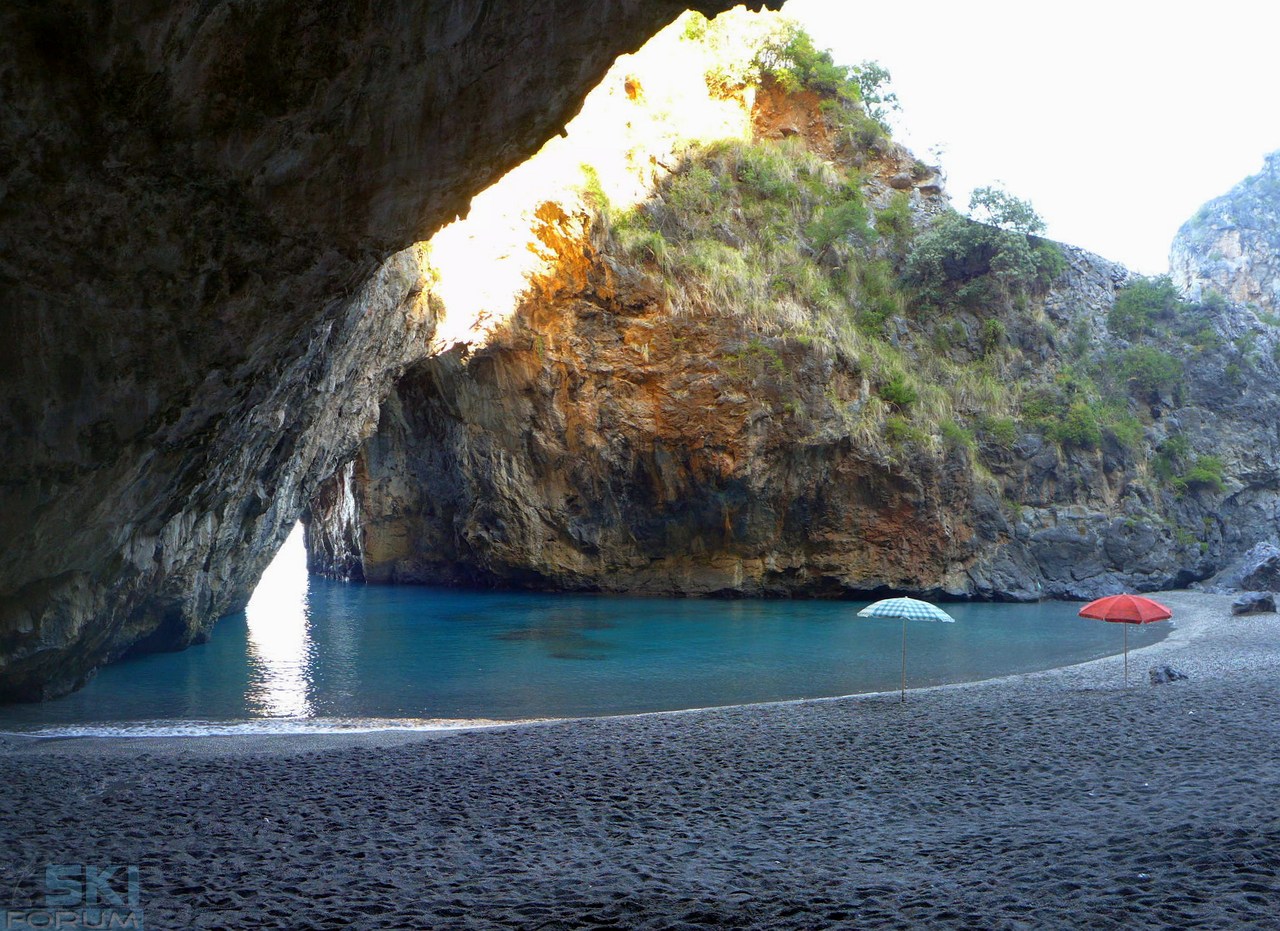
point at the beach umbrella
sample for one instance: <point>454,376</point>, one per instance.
<point>909,609</point>
<point>1126,609</point>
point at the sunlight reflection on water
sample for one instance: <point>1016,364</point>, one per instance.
<point>320,655</point>
<point>280,648</point>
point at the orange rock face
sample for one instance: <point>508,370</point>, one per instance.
<point>604,442</point>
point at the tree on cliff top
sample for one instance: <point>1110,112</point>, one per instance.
<point>873,84</point>
<point>791,59</point>
<point>746,47</point>
<point>999,208</point>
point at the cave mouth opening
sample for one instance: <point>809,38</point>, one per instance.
<point>280,645</point>
<point>285,579</point>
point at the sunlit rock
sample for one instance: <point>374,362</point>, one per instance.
<point>633,405</point>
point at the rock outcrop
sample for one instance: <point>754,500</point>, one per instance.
<point>1257,568</point>
<point>610,450</point>
<point>601,444</point>
<point>627,430</point>
<point>1266,575</point>
<point>202,289</point>
<point>1231,246</point>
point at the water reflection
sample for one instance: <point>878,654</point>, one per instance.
<point>280,649</point>
<point>328,652</point>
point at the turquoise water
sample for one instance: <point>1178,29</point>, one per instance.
<point>312,654</point>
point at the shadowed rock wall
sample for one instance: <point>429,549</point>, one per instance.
<point>201,206</point>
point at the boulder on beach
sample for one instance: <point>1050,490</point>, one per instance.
<point>1161,675</point>
<point>1254,603</point>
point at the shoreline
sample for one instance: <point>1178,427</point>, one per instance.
<point>1050,799</point>
<point>320,734</point>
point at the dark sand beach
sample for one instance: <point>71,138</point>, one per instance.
<point>1054,800</point>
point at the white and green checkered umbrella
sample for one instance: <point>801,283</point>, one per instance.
<point>909,609</point>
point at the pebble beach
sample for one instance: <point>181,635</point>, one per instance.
<point>1058,799</point>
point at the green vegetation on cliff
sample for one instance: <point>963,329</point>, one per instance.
<point>832,237</point>
<point>773,234</point>
<point>785,54</point>
<point>959,263</point>
<point>917,299</point>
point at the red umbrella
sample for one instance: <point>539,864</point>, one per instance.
<point>1126,609</point>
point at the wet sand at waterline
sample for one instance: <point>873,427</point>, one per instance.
<point>1052,800</point>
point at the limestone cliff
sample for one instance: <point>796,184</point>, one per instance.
<point>202,207</point>
<point>1232,245</point>
<point>791,371</point>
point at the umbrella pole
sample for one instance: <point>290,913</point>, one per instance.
<point>1126,654</point>
<point>902,696</point>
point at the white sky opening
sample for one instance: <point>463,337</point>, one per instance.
<point>281,650</point>
<point>1117,120</point>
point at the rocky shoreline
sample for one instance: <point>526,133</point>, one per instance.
<point>1057,799</point>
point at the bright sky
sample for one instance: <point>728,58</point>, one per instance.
<point>1115,118</point>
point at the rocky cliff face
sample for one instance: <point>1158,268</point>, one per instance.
<point>603,444</point>
<point>642,424</point>
<point>1228,256</point>
<point>1232,245</point>
<point>201,212</point>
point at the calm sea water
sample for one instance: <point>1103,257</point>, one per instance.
<point>310,654</point>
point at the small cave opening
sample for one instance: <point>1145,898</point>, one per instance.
<point>280,647</point>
